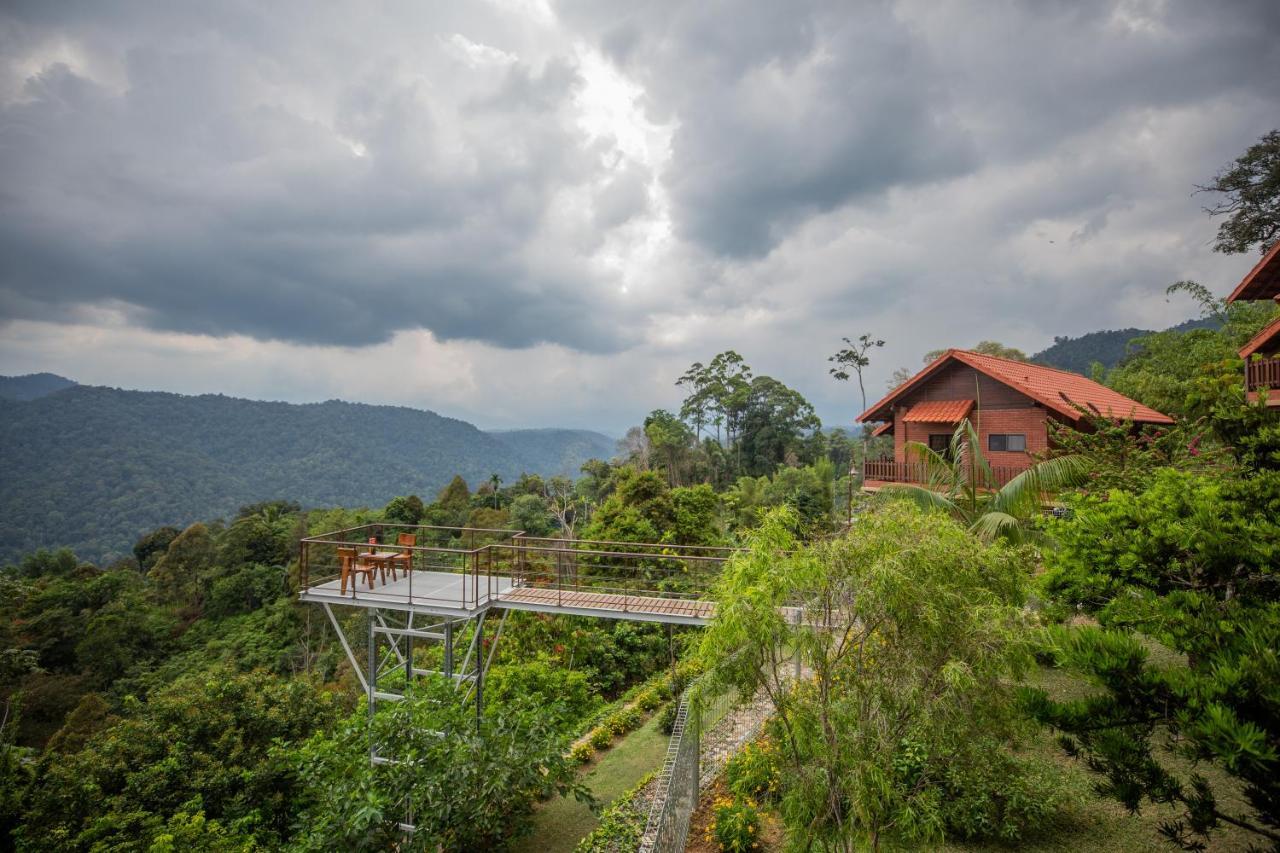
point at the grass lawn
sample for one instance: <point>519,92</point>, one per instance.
<point>559,824</point>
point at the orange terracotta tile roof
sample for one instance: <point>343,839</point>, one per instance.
<point>1055,389</point>
<point>1263,281</point>
<point>1269,335</point>
<point>887,426</point>
<point>938,412</point>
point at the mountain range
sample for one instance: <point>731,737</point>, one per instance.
<point>92,468</point>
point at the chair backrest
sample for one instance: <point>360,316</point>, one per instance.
<point>407,539</point>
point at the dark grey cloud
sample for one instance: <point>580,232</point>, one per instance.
<point>790,109</point>
<point>337,174</point>
<point>214,190</point>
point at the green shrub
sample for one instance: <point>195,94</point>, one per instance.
<point>667,719</point>
<point>617,723</point>
<point>600,737</point>
<point>735,826</point>
<point>753,771</point>
<point>582,752</point>
<point>648,700</point>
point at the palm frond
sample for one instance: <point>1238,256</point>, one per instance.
<point>971,463</point>
<point>999,525</point>
<point>1023,495</point>
<point>923,497</point>
<point>939,472</point>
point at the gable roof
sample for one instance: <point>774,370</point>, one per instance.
<point>1263,281</point>
<point>1270,334</point>
<point>1054,389</point>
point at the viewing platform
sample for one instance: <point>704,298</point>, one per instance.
<point>463,572</point>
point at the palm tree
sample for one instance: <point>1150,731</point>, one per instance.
<point>495,481</point>
<point>963,485</point>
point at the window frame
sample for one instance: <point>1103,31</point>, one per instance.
<point>1004,442</point>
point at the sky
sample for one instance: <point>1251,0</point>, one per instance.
<point>530,213</point>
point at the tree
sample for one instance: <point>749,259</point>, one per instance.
<point>1189,563</point>
<point>995,348</point>
<point>634,448</point>
<point>671,440</point>
<point>854,357</point>
<point>774,422</point>
<point>908,633</point>
<point>496,482</point>
<point>405,510</point>
<point>962,484</point>
<point>1251,186</point>
<point>469,789</point>
<point>187,566</point>
<point>899,377</point>
<point>151,547</point>
<point>209,736</point>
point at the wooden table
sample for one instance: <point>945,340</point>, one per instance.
<point>383,559</point>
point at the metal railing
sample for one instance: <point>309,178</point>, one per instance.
<point>1262,373</point>
<point>493,562</point>
<point>916,473</point>
<point>676,794</point>
<point>683,776</point>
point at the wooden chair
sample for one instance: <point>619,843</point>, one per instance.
<point>404,560</point>
<point>352,565</point>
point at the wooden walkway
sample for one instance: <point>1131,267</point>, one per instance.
<point>672,609</point>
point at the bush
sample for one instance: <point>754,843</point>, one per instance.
<point>753,771</point>
<point>600,737</point>
<point>565,692</point>
<point>735,826</point>
<point>582,752</point>
<point>667,720</point>
<point>618,724</point>
<point>648,700</point>
<point>621,824</point>
<point>1185,532</point>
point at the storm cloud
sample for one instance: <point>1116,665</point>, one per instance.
<point>554,198</point>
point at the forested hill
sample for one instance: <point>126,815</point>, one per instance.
<point>93,468</point>
<point>1107,347</point>
<point>32,386</point>
<point>556,451</point>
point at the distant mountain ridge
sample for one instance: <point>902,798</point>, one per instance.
<point>32,386</point>
<point>93,468</point>
<point>1108,347</point>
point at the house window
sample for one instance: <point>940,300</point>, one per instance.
<point>940,443</point>
<point>1009,442</point>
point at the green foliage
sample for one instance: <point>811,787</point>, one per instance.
<point>1186,531</point>
<point>100,467</point>
<point>529,513</point>
<point>600,737</point>
<point>582,752</point>
<point>911,629</point>
<point>405,510</point>
<point>1251,185</point>
<point>152,546</point>
<point>1197,373</point>
<point>735,825</point>
<point>566,694</point>
<point>1122,455</point>
<point>962,484</point>
<point>753,772</point>
<point>208,737</point>
<point>471,788</point>
<point>643,509</point>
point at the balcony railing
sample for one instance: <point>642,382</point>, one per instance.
<point>892,471</point>
<point>1263,373</point>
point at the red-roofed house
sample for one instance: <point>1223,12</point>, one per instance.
<point>1008,402</point>
<point>1262,354</point>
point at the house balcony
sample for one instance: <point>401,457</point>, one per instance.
<point>1263,373</point>
<point>884,472</point>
